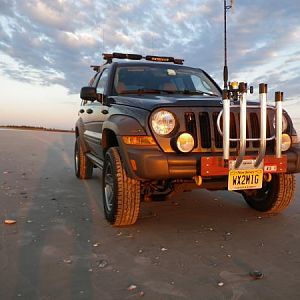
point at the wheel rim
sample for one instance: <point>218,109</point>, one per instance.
<point>108,187</point>
<point>76,159</point>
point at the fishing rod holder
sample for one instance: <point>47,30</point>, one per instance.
<point>243,139</point>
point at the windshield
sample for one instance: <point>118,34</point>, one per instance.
<point>159,79</point>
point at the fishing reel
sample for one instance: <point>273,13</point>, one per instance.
<point>235,89</point>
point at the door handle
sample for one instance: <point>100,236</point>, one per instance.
<point>81,111</point>
<point>89,111</point>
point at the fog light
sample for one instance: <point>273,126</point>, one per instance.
<point>185,142</point>
<point>286,142</point>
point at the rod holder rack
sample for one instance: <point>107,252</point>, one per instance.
<point>243,124</point>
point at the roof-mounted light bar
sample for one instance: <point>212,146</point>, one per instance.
<point>110,56</point>
<point>159,58</point>
<point>95,68</point>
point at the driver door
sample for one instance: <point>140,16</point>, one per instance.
<point>94,116</point>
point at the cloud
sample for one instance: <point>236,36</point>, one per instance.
<point>55,41</point>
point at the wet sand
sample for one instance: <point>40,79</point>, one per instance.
<point>199,245</point>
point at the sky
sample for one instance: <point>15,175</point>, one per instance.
<point>46,48</point>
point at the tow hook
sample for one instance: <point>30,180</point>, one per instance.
<point>268,177</point>
<point>198,180</point>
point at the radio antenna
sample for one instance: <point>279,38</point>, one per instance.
<point>225,70</point>
<point>103,43</point>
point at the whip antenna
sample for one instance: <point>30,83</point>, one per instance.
<point>225,70</point>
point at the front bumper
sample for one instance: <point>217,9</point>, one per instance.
<point>153,164</point>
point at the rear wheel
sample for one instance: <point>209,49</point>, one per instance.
<point>121,194</point>
<point>274,196</point>
<point>83,166</point>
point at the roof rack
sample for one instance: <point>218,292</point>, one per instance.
<point>110,56</point>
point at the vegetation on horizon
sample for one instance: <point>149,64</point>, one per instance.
<point>40,128</point>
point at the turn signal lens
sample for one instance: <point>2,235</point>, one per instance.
<point>286,142</point>
<point>185,142</point>
<point>139,140</point>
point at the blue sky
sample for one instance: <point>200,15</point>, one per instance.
<point>46,47</point>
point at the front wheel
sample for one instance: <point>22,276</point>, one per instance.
<point>121,194</point>
<point>274,196</point>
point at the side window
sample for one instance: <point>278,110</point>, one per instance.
<point>200,85</point>
<point>102,82</point>
<point>94,79</point>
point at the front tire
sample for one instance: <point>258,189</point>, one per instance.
<point>83,166</point>
<point>274,196</point>
<point>121,194</point>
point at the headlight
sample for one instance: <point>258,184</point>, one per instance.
<point>286,142</point>
<point>185,142</point>
<point>284,123</point>
<point>163,122</point>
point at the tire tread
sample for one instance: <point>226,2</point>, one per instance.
<point>128,193</point>
<point>286,191</point>
<point>85,165</point>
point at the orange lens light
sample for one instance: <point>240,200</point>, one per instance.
<point>133,164</point>
<point>139,140</point>
<point>159,58</point>
<point>235,85</point>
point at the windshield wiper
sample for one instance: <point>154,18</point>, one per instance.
<point>188,92</point>
<point>146,91</point>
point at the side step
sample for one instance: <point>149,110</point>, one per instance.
<point>98,162</point>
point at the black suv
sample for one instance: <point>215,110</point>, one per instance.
<point>156,127</point>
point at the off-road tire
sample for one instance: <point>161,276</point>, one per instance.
<point>121,194</point>
<point>83,166</point>
<point>275,196</point>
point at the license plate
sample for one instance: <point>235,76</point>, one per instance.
<point>245,179</point>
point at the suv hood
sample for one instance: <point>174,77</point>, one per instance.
<point>150,102</point>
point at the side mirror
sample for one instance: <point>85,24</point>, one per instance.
<point>88,93</point>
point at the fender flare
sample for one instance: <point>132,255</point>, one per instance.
<point>123,125</point>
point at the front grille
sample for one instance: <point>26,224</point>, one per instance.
<point>255,128</point>
<point>204,130</point>
<point>190,124</point>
